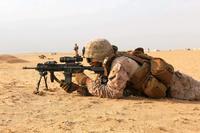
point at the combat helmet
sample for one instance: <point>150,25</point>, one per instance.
<point>98,49</point>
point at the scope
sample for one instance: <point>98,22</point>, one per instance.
<point>68,59</point>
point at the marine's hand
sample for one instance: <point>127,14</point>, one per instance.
<point>68,87</point>
<point>81,78</point>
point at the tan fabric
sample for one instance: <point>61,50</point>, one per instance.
<point>146,83</point>
<point>140,77</point>
<point>122,69</point>
<point>162,70</point>
<point>184,87</point>
<point>98,49</point>
<point>154,88</point>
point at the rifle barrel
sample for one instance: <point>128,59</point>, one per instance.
<point>29,68</point>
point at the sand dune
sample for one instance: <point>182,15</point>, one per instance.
<point>57,111</point>
<point>11,59</point>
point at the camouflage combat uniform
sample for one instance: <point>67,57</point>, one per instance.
<point>184,87</point>
<point>122,68</point>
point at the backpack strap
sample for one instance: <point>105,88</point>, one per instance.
<point>137,56</point>
<point>139,60</point>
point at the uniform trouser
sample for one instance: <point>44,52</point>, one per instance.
<point>184,87</point>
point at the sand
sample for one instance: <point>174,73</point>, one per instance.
<point>59,112</point>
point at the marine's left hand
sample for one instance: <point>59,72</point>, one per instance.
<point>81,78</point>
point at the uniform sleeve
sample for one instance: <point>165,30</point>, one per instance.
<point>114,88</point>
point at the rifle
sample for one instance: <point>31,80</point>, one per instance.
<point>68,65</point>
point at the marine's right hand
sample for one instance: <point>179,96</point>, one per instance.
<point>68,87</point>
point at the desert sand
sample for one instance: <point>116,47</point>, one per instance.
<point>58,112</point>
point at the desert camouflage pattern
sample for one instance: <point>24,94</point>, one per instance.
<point>98,49</point>
<point>184,87</point>
<point>122,69</point>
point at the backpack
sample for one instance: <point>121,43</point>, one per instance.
<point>162,70</point>
<point>153,77</point>
<point>159,68</point>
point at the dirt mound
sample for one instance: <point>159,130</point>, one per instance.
<point>11,59</point>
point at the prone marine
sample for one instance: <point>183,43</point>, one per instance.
<point>133,73</point>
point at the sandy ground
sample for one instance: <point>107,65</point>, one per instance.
<point>59,112</point>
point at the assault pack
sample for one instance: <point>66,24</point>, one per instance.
<point>154,75</point>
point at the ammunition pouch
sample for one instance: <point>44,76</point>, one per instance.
<point>162,70</point>
<point>139,78</point>
<point>154,88</point>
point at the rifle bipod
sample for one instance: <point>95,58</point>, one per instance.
<point>44,75</point>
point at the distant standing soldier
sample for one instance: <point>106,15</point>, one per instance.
<point>76,49</point>
<point>148,50</point>
<point>83,51</point>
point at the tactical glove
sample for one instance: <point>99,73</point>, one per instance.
<point>68,87</point>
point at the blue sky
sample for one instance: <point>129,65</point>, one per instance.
<point>56,25</point>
